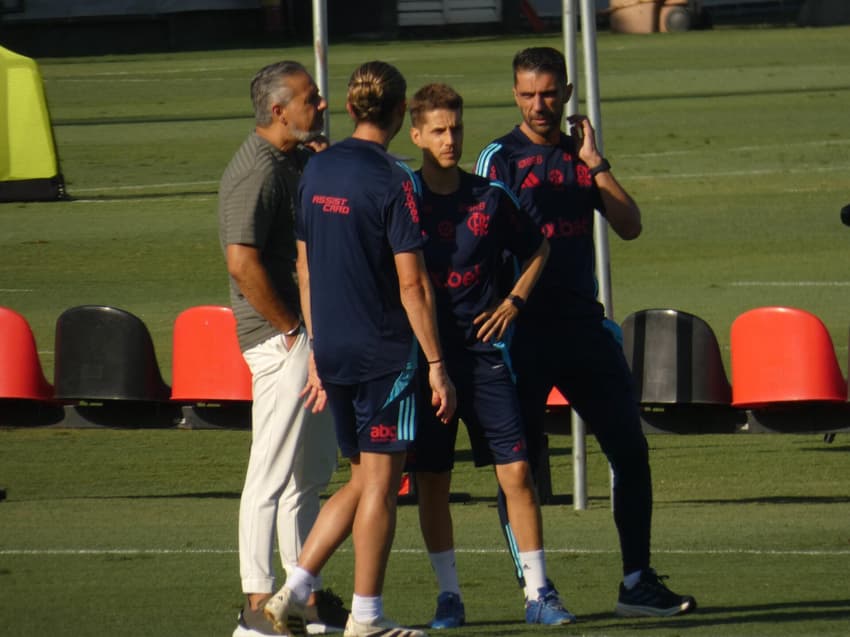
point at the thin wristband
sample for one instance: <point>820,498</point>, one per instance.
<point>603,167</point>
<point>517,300</point>
<point>435,361</point>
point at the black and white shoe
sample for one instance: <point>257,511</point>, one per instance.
<point>252,623</point>
<point>651,598</point>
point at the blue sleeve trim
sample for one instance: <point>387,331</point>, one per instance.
<point>501,185</point>
<point>482,166</point>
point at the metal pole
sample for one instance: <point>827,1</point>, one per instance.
<point>570,22</point>
<point>320,49</point>
<point>600,236</point>
<point>591,71</point>
<point>577,426</point>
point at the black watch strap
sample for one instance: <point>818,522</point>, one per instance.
<point>603,167</point>
<point>518,301</point>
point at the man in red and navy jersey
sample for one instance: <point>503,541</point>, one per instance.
<point>562,339</point>
<point>470,223</point>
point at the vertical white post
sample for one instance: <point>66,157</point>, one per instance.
<point>600,237</point>
<point>577,426</point>
<point>320,49</point>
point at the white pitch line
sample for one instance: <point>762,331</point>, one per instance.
<point>173,184</point>
<point>15,290</point>
<point>483,551</point>
<point>790,284</point>
<point>746,173</point>
<point>707,175</point>
<point>738,149</point>
<point>194,196</point>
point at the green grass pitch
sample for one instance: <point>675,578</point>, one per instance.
<point>734,142</point>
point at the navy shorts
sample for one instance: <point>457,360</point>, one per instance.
<point>488,405</point>
<point>378,416</point>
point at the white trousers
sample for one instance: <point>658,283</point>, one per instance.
<point>293,455</point>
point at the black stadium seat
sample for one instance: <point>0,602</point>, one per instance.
<point>679,376</point>
<point>106,368</point>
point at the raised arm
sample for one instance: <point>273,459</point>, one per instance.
<point>621,211</point>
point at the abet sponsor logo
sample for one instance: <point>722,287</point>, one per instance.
<point>563,228</point>
<point>453,279</point>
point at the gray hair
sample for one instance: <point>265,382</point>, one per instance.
<point>269,87</point>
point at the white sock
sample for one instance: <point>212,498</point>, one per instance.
<point>317,583</point>
<point>534,572</point>
<point>631,580</point>
<point>445,569</point>
<point>365,609</point>
<point>301,583</point>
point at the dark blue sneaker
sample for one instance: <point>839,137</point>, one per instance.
<point>547,609</point>
<point>651,598</point>
<point>450,612</point>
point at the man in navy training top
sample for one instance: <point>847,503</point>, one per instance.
<point>561,337</point>
<point>470,222</point>
<point>367,300</point>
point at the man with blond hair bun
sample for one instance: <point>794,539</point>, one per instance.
<point>369,306</point>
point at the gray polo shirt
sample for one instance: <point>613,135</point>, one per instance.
<point>256,207</point>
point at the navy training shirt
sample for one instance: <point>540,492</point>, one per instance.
<point>358,207</point>
<point>557,190</point>
<point>468,233</point>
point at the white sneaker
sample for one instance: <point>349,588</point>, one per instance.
<point>379,627</point>
<point>283,605</point>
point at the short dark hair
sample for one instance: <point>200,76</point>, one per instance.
<point>432,97</point>
<point>541,59</point>
<point>270,86</point>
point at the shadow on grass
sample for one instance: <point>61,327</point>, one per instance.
<point>780,612</point>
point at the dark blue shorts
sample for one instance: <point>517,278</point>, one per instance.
<point>585,362</point>
<point>378,416</point>
<point>488,405</point>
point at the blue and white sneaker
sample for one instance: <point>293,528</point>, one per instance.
<point>450,612</point>
<point>547,609</point>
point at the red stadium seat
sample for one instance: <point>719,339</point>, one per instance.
<point>207,364</point>
<point>783,355</point>
<point>209,374</point>
<point>21,375</point>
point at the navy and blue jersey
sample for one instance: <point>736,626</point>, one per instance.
<point>558,192</point>
<point>358,207</point>
<point>467,233</point>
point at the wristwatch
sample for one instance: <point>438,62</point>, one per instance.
<point>518,301</point>
<point>603,166</point>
